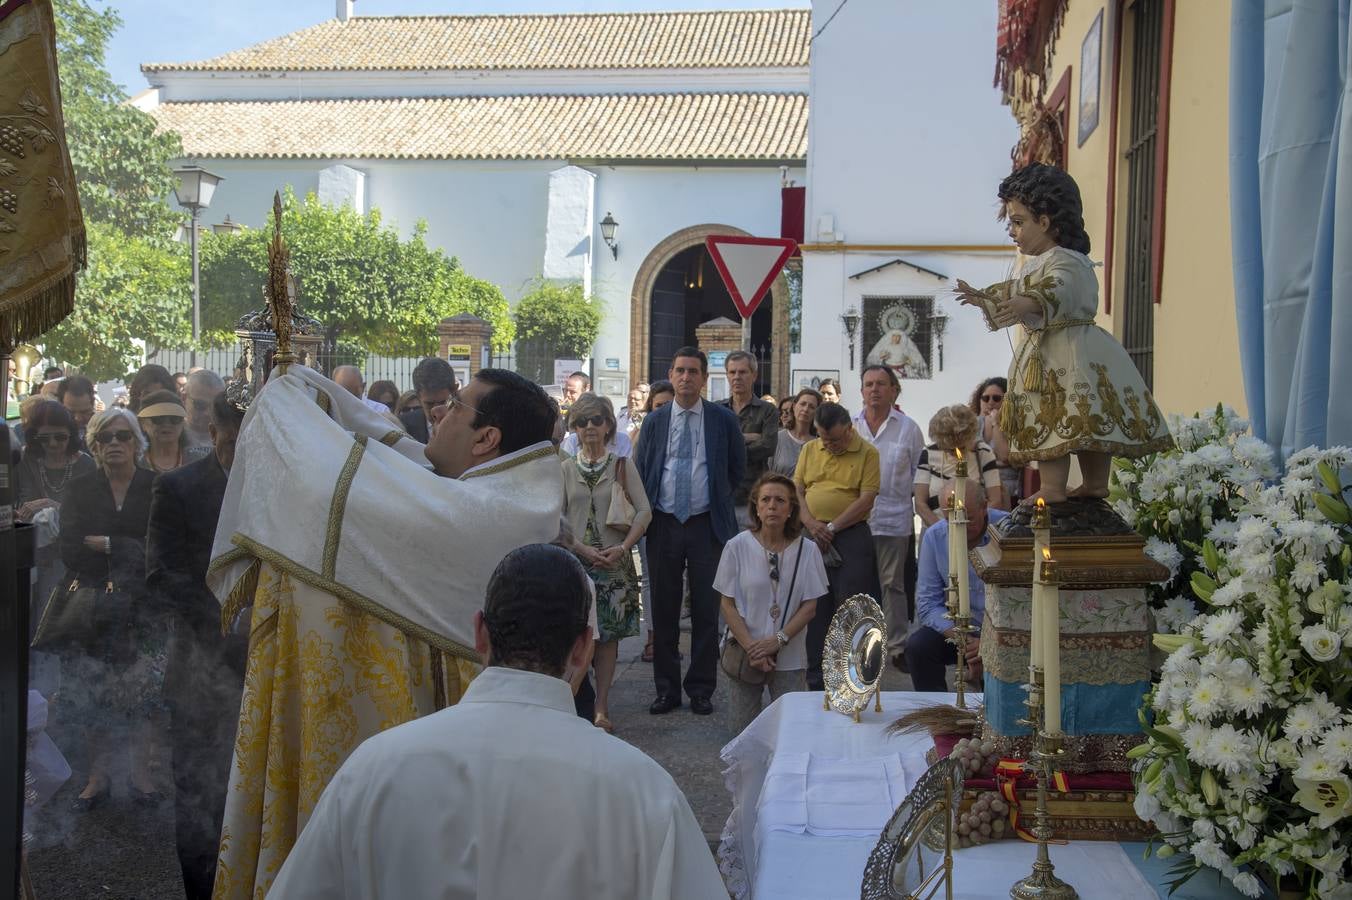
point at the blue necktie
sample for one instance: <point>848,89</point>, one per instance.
<point>685,460</point>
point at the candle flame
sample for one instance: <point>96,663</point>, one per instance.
<point>1041,504</point>
<point>958,451</point>
<point>1047,554</point>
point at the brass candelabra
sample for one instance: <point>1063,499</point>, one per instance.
<point>962,627</point>
<point>1047,749</point>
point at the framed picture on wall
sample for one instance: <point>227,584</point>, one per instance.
<point>813,378</point>
<point>897,334</point>
<point>1091,52</point>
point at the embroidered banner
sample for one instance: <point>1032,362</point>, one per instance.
<point>42,240</point>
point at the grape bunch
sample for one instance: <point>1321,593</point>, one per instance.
<point>11,141</point>
<point>9,200</point>
<point>977,755</point>
<point>984,821</point>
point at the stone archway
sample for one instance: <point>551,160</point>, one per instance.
<point>640,308</point>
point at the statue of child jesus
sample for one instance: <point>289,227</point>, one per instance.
<point>1072,388</point>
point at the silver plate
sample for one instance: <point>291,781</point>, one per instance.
<point>909,859</point>
<point>854,654</point>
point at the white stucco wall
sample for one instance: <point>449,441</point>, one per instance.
<point>493,215</point>
<point>907,145</point>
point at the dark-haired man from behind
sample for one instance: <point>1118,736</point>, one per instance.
<point>508,793</point>
<point>76,394</point>
<point>434,383</point>
<point>204,674</point>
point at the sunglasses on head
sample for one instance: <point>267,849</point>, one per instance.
<point>165,420</point>
<point>596,421</point>
<point>122,435</point>
<point>58,438</point>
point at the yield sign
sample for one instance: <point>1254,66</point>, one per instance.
<point>748,266</point>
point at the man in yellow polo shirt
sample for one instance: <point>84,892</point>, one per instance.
<point>838,478</point>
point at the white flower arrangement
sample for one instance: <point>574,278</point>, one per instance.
<point>1178,498</point>
<point>1247,764</point>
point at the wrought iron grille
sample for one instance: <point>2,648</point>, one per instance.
<point>1138,334</point>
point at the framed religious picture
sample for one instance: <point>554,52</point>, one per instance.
<point>1091,52</point>
<point>897,334</point>
<point>813,378</point>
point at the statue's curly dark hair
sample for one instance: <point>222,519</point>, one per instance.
<point>1049,191</point>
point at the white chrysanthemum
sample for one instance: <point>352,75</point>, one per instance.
<point>1223,533</point>
<point>1176,612</point>
<point>1326,711</point>
<point>1209,853</point>
<point>1321,643</point>
<point>1337,745</point>
<point>1196,737</point>
<point>1230,749</point>
<point>1146,804</point>
<point>1248,694</point>
<point>1306,574</point>
<point>1316,766</point>
<point>1229,593</point>
<point>1221,626</point>
<point>1207,698</point>
<point>1247,884</point>
<point>1302,723</point>
<point>1165,553</point>
<point>1215,455</point>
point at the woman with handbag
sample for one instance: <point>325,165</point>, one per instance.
<point>770,577</point>
<point>51,461</point>
<point>107,675</point>
<point>608,512</point>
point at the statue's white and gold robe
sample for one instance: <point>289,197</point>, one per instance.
<point>363,570</point>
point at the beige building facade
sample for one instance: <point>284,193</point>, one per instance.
<point>1132,98</point>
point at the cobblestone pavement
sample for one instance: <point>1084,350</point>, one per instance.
<point>121,851</point>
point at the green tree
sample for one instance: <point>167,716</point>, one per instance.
<point>357,276</point>
<point>136,288</point>
<point>554,321</point>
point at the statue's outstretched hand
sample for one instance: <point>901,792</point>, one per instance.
<point>970,296</point>
<point>1015,309</point>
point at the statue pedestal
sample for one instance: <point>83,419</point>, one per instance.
<point>1105,632</point>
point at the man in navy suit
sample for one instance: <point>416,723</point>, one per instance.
<point>691,456</point>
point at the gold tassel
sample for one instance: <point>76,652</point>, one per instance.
<point>936,720</point>
<point>241,595</point>
<point>1032,373</point>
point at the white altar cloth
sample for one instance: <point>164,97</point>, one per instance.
<point>802,827</point>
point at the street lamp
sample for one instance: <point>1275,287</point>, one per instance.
<point>608,226</point>
<point>850,319</point>
<point>194,191</point>
<point>227,227</point>
<point>938,322</point>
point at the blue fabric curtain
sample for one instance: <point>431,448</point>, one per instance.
<point>1291,217</point>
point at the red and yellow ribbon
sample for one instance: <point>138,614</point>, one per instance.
<point>1007,774</point>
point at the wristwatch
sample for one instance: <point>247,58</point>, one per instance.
<point>831,527</point>
<point>782,638</point>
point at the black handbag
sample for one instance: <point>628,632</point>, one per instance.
<point>733,659</point>
<point>83,615</point>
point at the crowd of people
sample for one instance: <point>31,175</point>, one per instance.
<point>752,518</point>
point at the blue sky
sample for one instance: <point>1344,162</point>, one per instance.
<point>182,30</point>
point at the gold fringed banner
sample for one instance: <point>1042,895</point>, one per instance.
<point>42,236</point>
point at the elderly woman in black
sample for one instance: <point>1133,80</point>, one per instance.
<point>108,684</point>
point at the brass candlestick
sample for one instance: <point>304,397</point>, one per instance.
<point>962,626</point>
<point>280,290</point>
<point>1047,748</point>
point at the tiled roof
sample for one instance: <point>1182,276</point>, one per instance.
<point>619,127</point>
<point>682,40</point>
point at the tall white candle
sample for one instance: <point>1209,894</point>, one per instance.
<point>1051,646</point>
<point>960,505</point>
<point>1041,549</point>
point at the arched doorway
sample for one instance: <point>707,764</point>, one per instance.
<point>677,289</point>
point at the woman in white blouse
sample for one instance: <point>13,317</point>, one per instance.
<point>770,578</point>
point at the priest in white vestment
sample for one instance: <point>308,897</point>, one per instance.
<point>362,568</point>
<point>510,794</point>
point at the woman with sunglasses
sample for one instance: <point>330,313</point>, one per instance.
<point>110,687</point>
<point>51,460</point>
<point>589,482</point>
<point>162,417</point>
<point>769,577</point>
<point>987,401</point>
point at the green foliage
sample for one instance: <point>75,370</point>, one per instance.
<point>132,289</point>
<point>121,163</point>
<point>358,277</point>
<point>560,315</point>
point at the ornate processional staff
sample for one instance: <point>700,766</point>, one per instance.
<point>281,292</point>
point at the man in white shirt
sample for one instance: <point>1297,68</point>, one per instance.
<point>899,441</point>
<point>508,794</point>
